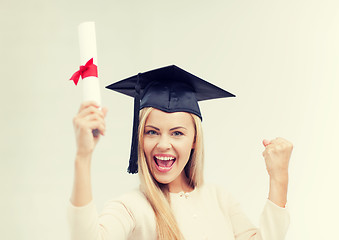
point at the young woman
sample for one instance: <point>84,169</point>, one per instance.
<point>172,202</point>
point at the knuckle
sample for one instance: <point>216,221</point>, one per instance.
<point>289,144</point>
<point>279,147</point>
<point>83,105</point>
<point>269,151</point>
<point>286,145</point>
<point>91,109</point>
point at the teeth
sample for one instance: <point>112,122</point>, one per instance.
<point>164,158</point>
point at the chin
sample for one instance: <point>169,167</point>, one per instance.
<point>163,179</point>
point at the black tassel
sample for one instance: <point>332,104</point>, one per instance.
<point>133,160</point>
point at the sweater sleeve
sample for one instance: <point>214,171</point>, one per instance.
<point>115,222</point>
<point>274,221</point>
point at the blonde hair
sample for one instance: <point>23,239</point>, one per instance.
<point>156,193</point>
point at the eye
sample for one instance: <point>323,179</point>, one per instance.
<point>177,133</point>
<point>151,132</point>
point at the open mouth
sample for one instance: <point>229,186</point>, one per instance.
<point>164,163</point>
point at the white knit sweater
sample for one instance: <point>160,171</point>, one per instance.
<point>205,213</point>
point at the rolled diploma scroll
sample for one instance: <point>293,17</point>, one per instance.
<point>88,50</point>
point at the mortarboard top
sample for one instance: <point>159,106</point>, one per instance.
<point>170,89</point>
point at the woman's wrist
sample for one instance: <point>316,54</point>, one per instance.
<point>280,179</point>
<point>278,190</point>
<point>83,157</point>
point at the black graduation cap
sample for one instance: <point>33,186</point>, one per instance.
<point>169,89</point>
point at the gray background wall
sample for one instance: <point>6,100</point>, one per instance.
<point>279,57</point>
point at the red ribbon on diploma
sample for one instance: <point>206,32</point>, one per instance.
<point>89,70</point>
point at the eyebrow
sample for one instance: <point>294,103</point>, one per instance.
<point>175,128</point>
<point>152,127</point>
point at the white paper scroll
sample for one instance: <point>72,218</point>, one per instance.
<point>88,50</point>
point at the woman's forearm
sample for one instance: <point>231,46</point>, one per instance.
<point>278,191</point>
<point>89,117</point>
<point>82,188</point>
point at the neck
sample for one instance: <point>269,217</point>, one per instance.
<point>180,184</point>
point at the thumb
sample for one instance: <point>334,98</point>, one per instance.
<point>266,142</point>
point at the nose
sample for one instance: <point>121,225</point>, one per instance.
<point>164,143</point>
